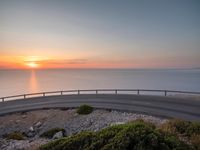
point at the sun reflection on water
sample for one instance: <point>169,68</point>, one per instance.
<point>33,82</point>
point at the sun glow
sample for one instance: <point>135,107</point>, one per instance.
<point>32,65</point>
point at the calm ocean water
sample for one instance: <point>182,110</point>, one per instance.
<point>28,81</point>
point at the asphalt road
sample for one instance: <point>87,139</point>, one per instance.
<point>169,107</point>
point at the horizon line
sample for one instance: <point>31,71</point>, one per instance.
<point>164,68</point>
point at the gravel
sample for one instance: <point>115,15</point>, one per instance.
<point>40,121</point>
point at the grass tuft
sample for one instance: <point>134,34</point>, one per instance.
<point>84,109</point>
<point>50,133</point>
<point>14,136</point>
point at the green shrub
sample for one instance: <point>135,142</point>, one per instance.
<point>193,129</point>
<point>84,109</point>
<point>143,121</point>
<point>185,128</point>
<point>190,131</point>
<point>15,136</point>
<point>173,127</point>
<point>195,141</point>
<point>136,135</point>
<point>50,133</point>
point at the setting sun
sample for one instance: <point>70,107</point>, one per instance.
<point>32,65</point>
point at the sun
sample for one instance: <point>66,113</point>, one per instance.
<point>32,65</point>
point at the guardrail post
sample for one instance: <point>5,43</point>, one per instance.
<point>96,91</point>
<point>78,92</point>
<point>24,96</point>
<point>138,92</point>
<point>61,92</point>
<point>165,93</point>
<point>2,99</point>
<point>115,91</point>
<point>43,94</point>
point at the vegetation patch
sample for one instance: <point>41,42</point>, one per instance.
<point>190,131</point>
<point>84,109</point>
<point>137,135</point>
<point>185,128</point>
<point>14,136</point>
<point>50,133</point>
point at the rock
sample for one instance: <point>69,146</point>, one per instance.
<point>38,124</point>
<point>24,116</point>
<point>58,135</point>
<point>31,140</point>
<point>17,121</point>
<point>117,123</point>
<point>30,134</point>
<point>75,114</point>
<point>22,145</point>
<point>31,129</point>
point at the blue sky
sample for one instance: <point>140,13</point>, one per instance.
<point>103,33</point>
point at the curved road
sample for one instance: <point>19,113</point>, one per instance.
<point>169,107</point>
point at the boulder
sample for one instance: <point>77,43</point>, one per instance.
<point>31,129</point>
<point>24,116</point>
<point>58,135</point>
<point>17,121</point>
<point>30,134</point>
<point>38,124</point>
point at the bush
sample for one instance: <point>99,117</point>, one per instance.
<point>84,109</point>
<point>185,128</point>
<point>150,124</point>
<point>190,131</point>
<point>50,133</point>
<point>15,136</point>
<point>193,129</point>
<point>136,135</point>
<point>195,141</point>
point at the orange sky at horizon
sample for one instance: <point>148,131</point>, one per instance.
<point>41,62</point>
<point>36,62</point>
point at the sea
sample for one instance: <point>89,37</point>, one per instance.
<point>14,82</point>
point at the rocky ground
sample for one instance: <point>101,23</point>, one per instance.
<point>34,123</point>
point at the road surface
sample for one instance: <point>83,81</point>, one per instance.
<point>169,107</point>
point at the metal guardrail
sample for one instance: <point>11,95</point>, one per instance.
<point>95,91</point>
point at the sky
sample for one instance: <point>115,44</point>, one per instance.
<point>99,34</point>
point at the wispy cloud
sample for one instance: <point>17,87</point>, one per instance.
<point>60,62</point>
